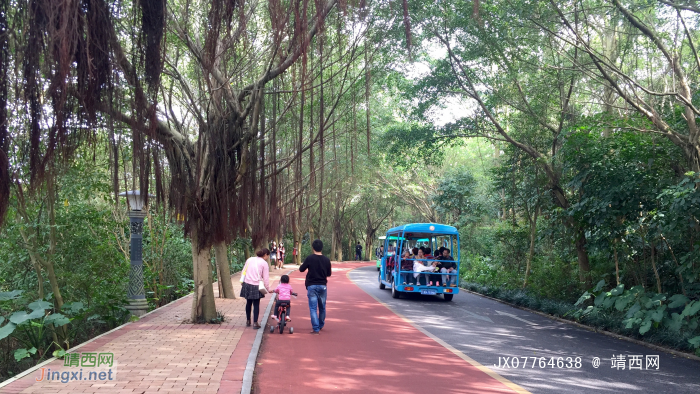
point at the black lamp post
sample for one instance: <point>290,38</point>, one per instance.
<point>138,306</point>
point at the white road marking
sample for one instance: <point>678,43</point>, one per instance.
<point>515,317</point>
<point>484,318</point>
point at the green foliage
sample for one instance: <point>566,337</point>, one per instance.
<point>630,197</point>
<point>167,259</point>
<point>643,311</point>
<point>619,177</point>
<point>524,298</point>
<point>220,318</point>
<point>59,353</point>
<point>495,252</point>
<point>91,263</point>
<point>456,196</point>
<point>24,353</point>
<point>7,329</point>
<point>409,145</point>
<point>33,330</point>
<point>610,188</point>
<point>22,316</point>
<point>10,295</point>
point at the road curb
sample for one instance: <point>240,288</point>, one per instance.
<point>589,328</point>
<point>255,350</point>
<point>253,356</point>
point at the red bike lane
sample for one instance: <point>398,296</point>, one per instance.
<point>364,347</point>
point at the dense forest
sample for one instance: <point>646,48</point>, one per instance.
<point>560,138</point>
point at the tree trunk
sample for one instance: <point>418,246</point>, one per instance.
<point>584,268</point>
<point>258,246</point>
<point>297,258</point>
<point>653,265</point>
<point>58,299</point>
<point>62,331</point>
<point>680,276</point>
<point>48,265</point>
<point>617,264</point>
<point>339,250</point>
<point>218,279</point>
<point>226,287</point>
<point>203,306</point>
<point>368,249</point>
<point>610,49</point>
<point>39,278</point>
<point>338,241</point>
<point>333,242</point>
<point>296,238</point>
<point>32,256</point>
<point>531,253</point>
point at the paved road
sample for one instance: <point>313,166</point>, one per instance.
<point>474,326</point>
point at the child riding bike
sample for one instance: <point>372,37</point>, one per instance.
<point>284,296</point>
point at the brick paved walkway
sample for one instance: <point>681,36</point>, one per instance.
<point>161,354</point>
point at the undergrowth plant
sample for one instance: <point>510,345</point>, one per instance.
<point>643,311</point>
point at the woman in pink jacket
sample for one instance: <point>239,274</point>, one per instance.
<point>256,269</point>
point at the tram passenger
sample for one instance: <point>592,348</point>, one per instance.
<point>431,278</point>
<point>418,267</point>
<point>447,266</point>
<point>407,265</point>
<point>390,264</point>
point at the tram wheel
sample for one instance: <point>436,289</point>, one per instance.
<point>395,293</point>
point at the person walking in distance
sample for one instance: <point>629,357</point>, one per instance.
<point>319,267</point>
<point>280,256</point>
<point>273,255</point>
<point>358,252</point>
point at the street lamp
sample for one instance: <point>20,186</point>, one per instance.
<point>138,306</point>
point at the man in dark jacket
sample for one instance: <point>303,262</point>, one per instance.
<point>319,267</point>
<point>358,252</point>
<point>447,266</point>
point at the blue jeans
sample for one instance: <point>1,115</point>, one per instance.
<point>317,299</point>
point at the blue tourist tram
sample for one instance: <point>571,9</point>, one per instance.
<point>396,272</point>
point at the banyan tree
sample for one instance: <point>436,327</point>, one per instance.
<point>187,78</point>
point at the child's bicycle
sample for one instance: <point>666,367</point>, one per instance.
<point>282,316</point>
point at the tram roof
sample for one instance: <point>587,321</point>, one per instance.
<point>424,228</point>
